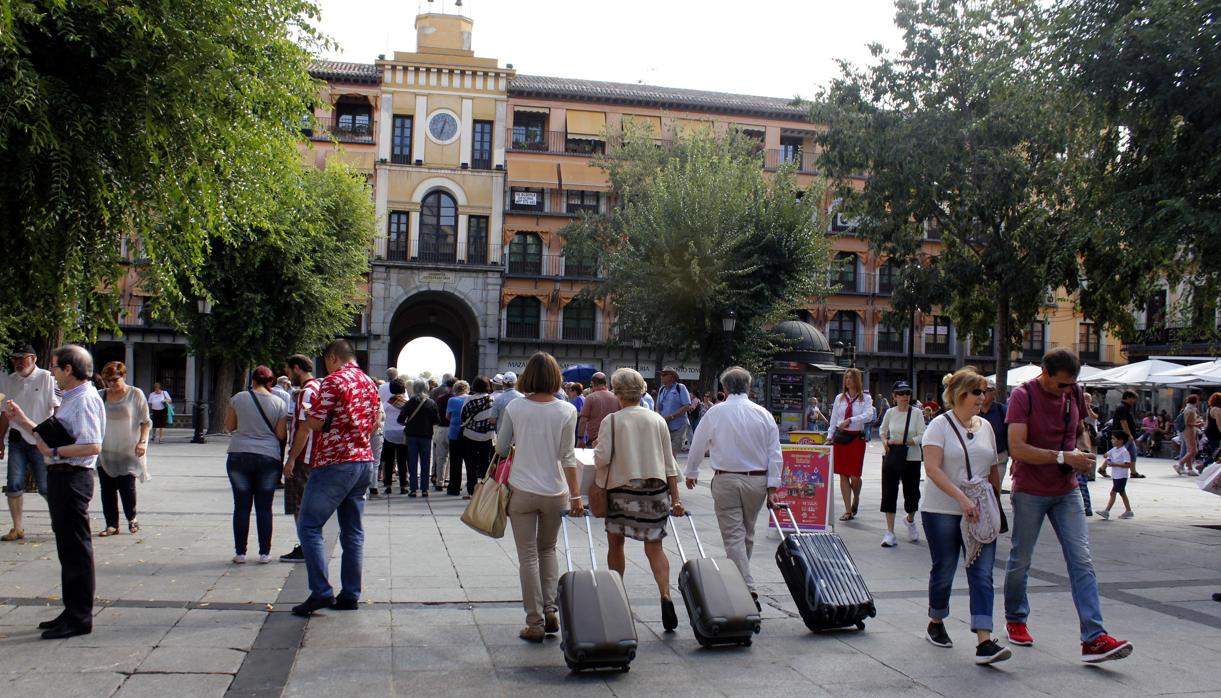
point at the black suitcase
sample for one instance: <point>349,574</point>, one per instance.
<point>829,591</point>
<point>718,602</point>
<point>596,625</point>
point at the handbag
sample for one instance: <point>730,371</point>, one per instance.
<point>54,434</point>
<point>841,436</point>
<point>169,413</point>
<point>986,527</point>
<point>1210,479</point>
<point>896,456</point>
<point>598,501</point>
<point>488,510</point>
<point>404,422</point>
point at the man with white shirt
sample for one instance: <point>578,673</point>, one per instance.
<point>744,445</point>
<point>34,389</point>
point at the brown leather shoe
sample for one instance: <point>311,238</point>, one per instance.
<point>532,634</point>
<point>551,623</point>
<point>13,534</point>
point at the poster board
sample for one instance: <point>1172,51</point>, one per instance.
<point>807,437</point>
<point>805,485</point>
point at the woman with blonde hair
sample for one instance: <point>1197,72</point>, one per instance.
<point>542,485</point>
<point>637,467</point>
<point>123,448</point>
<point>959,510</point>
<point>851,412</point>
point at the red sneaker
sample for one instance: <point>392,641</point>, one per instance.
<point>1018,634</point>
<point>1103,648</point>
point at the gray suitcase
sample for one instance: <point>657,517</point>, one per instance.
<point>718,601</point>
<point>597,630</point>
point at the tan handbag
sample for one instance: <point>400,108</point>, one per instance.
<point>488,510</point>
<point>598,503</point>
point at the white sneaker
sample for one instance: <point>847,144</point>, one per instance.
<point>1104,514</point>
<point>1178,468</point>
<point>888,540</point>
<point>264,559</point>
<point>913,533</point>
<point>1127,515</point>
<point>239,559</point>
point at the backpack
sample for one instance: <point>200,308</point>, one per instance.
<point>1180,423</point>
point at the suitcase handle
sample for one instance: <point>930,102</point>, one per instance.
<point>589,532</point>
<point>678,539</point>
<point>772,510</point>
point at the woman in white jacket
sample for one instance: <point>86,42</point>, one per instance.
<point>851,413</point>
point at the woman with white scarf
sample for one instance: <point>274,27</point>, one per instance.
<point>960,510</point>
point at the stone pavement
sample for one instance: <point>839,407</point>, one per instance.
<point>442,609</point>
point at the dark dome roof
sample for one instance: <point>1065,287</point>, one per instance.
<point>805,336</point>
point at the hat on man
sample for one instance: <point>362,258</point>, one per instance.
<point>900,386</point>
<point>669,369</point>
<point>498,379</point>
<point>991,383</point>
<point>24,350</point>
<point>510,378</point>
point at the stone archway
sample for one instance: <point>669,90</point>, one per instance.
<point>437,314</point>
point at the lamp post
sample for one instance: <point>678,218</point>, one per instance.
<point>729,321</point>
<point>636,344</point>
<point>205,309</point>
<point>839,350</point>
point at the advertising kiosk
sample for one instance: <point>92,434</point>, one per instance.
<point>806,370</point>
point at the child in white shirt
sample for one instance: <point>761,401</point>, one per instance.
<point>1120,463</point>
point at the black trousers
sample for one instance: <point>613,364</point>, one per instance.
<point>394,455</point>
<point>69,490</point>
<point>455,466</point>
<point>476,455</point>
<point>114,489</point>
<point>910,479</point>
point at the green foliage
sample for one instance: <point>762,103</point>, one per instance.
<point>163,122</point>
<point>1154,68</point>
<point>294,285</point>
<point>967,130</point>
<point>699,230</point>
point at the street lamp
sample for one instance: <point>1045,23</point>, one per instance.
<point>204,307</point>
<point>729,321</point>
<point>839,349</point>
<point>636,344</point>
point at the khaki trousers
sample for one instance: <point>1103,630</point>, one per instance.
<point>737,500</point>
<point>440,456</point>
<point>536,520</point>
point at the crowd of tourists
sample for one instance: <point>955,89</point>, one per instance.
<point>332,443</point>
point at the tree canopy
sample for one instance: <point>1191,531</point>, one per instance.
<point>166,123</point>
<point>699,230</point>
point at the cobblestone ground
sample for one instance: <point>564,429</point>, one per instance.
<point>442,609</point>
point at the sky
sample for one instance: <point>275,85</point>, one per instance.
<point>782,48</point>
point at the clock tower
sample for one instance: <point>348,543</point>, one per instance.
<point>441,120</point>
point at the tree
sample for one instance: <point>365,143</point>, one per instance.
<point>158,123</point>
<point>1152,67</point>
<point>289,287</point>
<point>699,230</point>
<point>964,131</point>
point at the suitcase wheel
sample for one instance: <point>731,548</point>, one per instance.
<point>702,640</point>
<point>625,668</point>
<point>860,625</point>
<point>747,642</point>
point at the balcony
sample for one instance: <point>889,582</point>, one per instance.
<point>552,266</point>
<point>556,142</point>
<point>1088,352</point>
<point>891,344</point>
<point>555,331</point>
<point>805,162</point>
<point>325,129</point>
<point>398,249</point>
<point>139,316</point>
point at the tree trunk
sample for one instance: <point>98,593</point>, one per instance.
<point>46,343</point>
<point>1002,345</point>
<point>711,358</point>
<point>224,377</point>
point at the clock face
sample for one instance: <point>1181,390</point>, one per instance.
<point>443,127</point>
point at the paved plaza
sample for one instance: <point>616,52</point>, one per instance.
<point>442,609</point>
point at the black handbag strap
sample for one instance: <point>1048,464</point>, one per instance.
<point>967,456</point>
<point>907,424</point>
<point>258,406</point>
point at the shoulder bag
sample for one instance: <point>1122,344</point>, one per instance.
<point>841,436</point>
<point>414,412</point>
<point>488,510</point>
<point>598,501</point>
<point>896,455</point>
<point>987,526</point>
<point>258,406</point>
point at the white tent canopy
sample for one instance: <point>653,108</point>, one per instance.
<point>1193,369</point>
<point>1019,374</point>
<point>1143,373</point>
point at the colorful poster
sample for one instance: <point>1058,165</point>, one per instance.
<point>807,437</point>
<point>805,485</point>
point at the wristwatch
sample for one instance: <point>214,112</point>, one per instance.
<point>55,453</point>
<point>1059,457</point>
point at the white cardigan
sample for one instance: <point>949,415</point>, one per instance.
<point>862,414</point>
<point>892,429</point>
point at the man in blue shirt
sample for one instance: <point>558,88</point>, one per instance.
<point>673,403</point>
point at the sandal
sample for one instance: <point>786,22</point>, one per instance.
<point>133,526</point>
<point>846,516</point>
<point>110,531</point>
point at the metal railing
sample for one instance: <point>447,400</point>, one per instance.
<point>398,249</point>
<point>139,315</point>
<point>556,331</point>
<point>805,162</point>
<point>325,128</point>
<point>552,142</point>
<point>552,265</point>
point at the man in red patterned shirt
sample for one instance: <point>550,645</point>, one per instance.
<point>345,413</point>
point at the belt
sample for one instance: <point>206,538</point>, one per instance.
<point>64,468</point>
<point>762,473</point>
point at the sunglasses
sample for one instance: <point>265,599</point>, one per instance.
<point>977,391</point>
<point>1066,385</point>
<point>903,393</point>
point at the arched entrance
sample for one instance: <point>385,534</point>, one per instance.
<point>441,315</point>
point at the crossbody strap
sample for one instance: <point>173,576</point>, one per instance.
<point>258,406</point>
<point>907,424</point>
<point>610,461</point>
<point>950,418</point>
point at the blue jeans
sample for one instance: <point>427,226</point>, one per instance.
<point>944,535</point>
<point>1067,515</point>
<point>339,489</point>
<point>1131,446</point>
<point>253,478</point>
<point>1083,486</point>
<point>419,455</point>
<point>20,456</point>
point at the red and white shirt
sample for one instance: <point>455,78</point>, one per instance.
<point>302,401</point>
<point>349,398</point>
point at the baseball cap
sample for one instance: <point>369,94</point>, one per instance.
<point>900,386</point>
<point>510,377</point>
<point>991,382</point>
<point>498,379</point>
<point>23,350</point>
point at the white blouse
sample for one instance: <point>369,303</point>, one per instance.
<point>862,413</point>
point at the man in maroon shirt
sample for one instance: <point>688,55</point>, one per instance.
<point>600,403</point>
<point>1044,417</point>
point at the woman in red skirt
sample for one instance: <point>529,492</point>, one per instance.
<point>852,411</point>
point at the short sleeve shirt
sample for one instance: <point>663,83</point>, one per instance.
<point>349,398</point>
<point>36,394</point>
<point>670,398</point>
<point>1116,455</point>
<point>302,401</point>
<point>981,446</point>
<point>83,415</point>
<point>1051,423</point>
